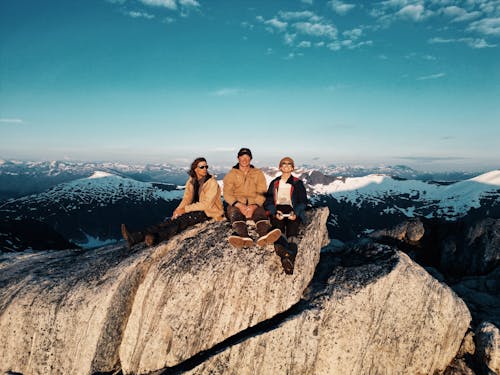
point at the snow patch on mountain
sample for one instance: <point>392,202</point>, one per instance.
<point>449,201</point>
<point>102,188</point>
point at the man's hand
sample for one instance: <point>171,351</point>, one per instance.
<point>251,209</point>
<point>279,215</point>
<point>246,211</point>
<point>292,216</point>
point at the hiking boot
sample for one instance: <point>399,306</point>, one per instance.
<point>262,227</point>
<point>131,238</point>
<point>240,242</point>
<point>151,239</point>
<point>287,260</point>
<point>269,238</point>
<point>240,227</point>
<point>288,265</point>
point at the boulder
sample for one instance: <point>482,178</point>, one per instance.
<point>205,292</point>
<point>410,231</point>
<point>84,312</point>
<point>374,311</point>
<point>64,312</point>
<point>488,347</point>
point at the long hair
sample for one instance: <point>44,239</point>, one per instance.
<point>194,165</point>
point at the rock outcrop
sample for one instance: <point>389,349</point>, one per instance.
<point>377,312</point>
<point>195,304</point>
<point>202,293</point>
<point>82,312</point>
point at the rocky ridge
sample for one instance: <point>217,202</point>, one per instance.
<point>196,304</point>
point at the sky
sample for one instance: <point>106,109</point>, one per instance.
<point>413,82</point>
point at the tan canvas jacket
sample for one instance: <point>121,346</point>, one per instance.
<point>210,198</point>
<point>248,189</point>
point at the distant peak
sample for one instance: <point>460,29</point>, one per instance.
<point>490,178</point>
<point>101,174</point>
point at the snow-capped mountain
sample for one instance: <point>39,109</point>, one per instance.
<point>91,209</point>
<point>374,202</point>
<point>18,178</point>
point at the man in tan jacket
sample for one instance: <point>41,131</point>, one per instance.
<point>245,191</point>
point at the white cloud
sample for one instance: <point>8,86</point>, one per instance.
<point>353,34</point>
<point>432,76</point>
<point>413,12</point>
<point>341,8</point>
<point>135,14</point>
<point>334,46</point>
<point>227,92</point>
<point>11,121</point>
<point>304,44</point>
<point>289,38</point>
<point>292,16</point>
<point>189,3</point>
<point>458,14</point>
<point>316,29</point>
<point>247,25</point>
<point>429,57</point>
<point>170,4</point>
<point>307,1</point>
<point>471,42</point>
<point>277,24</point>
<point>486,26</point>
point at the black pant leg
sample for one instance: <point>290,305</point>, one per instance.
<point>292,227</point>
<point>280,224</point>
<point>170,228</point>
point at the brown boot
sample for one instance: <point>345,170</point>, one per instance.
<point>240,227</point>
<point>262,227</point>
<point>240,238</point>
<point>131,238</point>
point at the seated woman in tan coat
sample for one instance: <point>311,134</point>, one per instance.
<point>202,201</point>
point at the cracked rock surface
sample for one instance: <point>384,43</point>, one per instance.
<point>100,310</point>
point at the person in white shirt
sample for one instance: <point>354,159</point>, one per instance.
<point>285,203</point>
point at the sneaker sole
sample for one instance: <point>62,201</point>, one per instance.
<point>240,242</point>
<point>269,238</point>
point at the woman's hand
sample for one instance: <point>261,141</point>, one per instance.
<point>292,216</point>
<point>178,212</point>
<point>279,215</point>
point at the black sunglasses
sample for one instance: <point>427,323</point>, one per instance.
<point>203,166</point>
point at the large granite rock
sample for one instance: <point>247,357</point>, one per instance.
<point>374,312</point>
<point>204,292</point>
<point>82,312</point>
<point>64,312</point>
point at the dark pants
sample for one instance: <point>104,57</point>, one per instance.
<point>234,214</point>
<point>288,227</point>
<point>171,227</point>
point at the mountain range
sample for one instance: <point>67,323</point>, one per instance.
<point>89,210</point>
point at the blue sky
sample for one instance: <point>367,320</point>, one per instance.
<point>397,82</point>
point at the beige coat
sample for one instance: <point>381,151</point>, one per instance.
<point>210,198</point>
<point>247,188</point>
